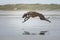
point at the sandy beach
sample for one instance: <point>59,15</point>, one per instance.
<point>11,26</point>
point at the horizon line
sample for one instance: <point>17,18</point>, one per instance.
<point>30,3</point>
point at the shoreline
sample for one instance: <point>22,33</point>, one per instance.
<point>41,11</point>
<point>32,10</point>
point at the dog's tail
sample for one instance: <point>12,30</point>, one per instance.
<point>48,20</point>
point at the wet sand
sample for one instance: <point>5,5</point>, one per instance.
<point>11,27</point>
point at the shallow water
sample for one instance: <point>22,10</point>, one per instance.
<point>11,27</point>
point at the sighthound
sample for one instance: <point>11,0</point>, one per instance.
<point>33,14</point>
